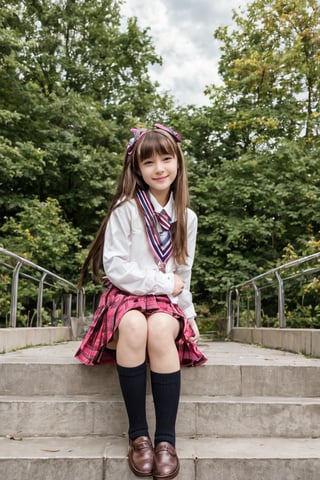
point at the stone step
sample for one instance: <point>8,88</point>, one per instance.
<point>232,369</point>
<point>203,458</point>
<point>198,415</point>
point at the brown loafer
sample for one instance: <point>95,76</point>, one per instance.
<point>166,462</point>
<point>140,456</point>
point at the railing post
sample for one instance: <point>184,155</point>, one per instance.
<point>40,299</point>
<point>68,303</point>
<point>277,272</point>
<point>229,312</point>
<point>238,307</point>
<point>54,319</point>
<point>14,295</point>
<point>80,303</point>
<point>282,320</point>
<point>257,304</point>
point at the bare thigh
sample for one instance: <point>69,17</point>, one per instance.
<point>162,326</point>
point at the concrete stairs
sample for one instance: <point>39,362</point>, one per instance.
<point>250,413</point>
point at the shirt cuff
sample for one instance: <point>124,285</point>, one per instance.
<point>165,283</point>
<point>190,312</point>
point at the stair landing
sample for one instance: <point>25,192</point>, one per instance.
<point>235,374</point>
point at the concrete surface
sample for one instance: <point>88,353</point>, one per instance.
<point>80,458</point>
<point>250,413</point>
<point>297,340</point>
<point>14,338</point>
<point>222,416</point>
<point>232,369</point>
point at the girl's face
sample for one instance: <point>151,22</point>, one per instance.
<point>159,172</point>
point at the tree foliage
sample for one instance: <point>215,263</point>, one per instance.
<point>270,66</point>
<point>256,191</point>
<point>69,83</point>
<point>74,80</point>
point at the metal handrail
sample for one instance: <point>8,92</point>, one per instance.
<point>19,263</point>
<point>234,320</point>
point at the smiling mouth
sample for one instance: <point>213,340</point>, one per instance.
<point>157,179</point>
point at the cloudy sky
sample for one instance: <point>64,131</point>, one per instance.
<point>182,32</point>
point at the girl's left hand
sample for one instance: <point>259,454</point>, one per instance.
<point>194,326</point>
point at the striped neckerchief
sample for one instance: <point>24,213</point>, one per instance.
<point>161,248</point>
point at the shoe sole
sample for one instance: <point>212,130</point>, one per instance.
<point>137,473</point>
<point>168,477</point>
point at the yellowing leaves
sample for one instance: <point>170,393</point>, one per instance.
<point>30,237</point>
<point>270,123</point>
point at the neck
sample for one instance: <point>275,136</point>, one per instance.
<point>161,197</point>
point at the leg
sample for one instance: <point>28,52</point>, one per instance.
<point>132,371</point>
<point>165,381</point>
<point>162,332</point>
<point>132,339</point>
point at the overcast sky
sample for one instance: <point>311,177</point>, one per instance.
<point>182,32</point>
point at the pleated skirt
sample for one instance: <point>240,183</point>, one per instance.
<point>113,304</point>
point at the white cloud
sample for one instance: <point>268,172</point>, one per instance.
<point>182,32</point>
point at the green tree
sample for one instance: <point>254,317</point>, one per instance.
<point>21,162</point>
<point>256,191</point>
<point>41,234</point>
<point>71,77</point>
<point>270,66</point>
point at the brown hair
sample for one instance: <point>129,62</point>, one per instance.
<point>151,142</point>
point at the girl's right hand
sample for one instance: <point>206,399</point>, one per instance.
<point>178,285</point>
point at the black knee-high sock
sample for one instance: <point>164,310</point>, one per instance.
<point>133,386</point>
<point>166,395</point>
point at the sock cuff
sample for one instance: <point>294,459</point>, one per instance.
<point>132,371</point>
<point>165,378</point>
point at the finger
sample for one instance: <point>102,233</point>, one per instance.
<point>194,339</point>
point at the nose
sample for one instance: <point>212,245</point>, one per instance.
<point>159,166</point>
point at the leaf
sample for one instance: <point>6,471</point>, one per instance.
<point>14,437</point>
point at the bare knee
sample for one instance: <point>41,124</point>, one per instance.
<point>133,330</point>
<point>163,354</point>
<point>162,331</point>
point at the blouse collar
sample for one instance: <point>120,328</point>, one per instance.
<point>169,207</point>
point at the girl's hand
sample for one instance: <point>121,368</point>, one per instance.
<point>194,326</point>
<point>178,285</point>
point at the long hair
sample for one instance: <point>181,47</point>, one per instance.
<point>152,142</point>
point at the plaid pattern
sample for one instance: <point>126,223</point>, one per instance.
<point>113,304</point>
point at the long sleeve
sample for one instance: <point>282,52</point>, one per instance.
<point>127,259</point>
<point>130,265</point>
<point>184,271</point>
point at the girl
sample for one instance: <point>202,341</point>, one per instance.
<point>146,244</point>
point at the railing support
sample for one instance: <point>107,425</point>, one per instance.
<point>40,299</point>
<point>257,304</point>
<point>274,272</point>
<point>230,318</point>
<point>282,320</point>
<point>14,295</point>
<point>57,280</point>
<point>238,307</point>
<point>66,308</point>
<point>80,303</point>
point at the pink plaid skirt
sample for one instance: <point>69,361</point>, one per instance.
<point>113,304</point>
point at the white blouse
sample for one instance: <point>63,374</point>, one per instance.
<point>129,263</point>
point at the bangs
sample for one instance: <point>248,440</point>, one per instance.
<point>155,143</point>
